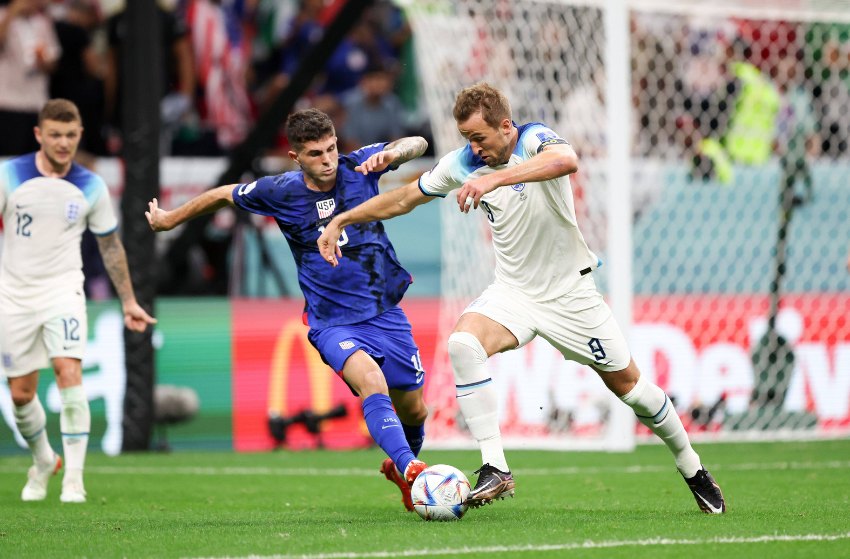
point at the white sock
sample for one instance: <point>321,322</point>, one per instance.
<point>655,410</point>
<point>476,397</point>
<point>31,422</point>
<point>75,421</point>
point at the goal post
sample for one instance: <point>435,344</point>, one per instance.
<point>712,144</point>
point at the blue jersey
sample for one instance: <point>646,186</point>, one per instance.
<point>369,279</point>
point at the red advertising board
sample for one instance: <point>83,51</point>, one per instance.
<point>276,371</point>
<point>696,347</point>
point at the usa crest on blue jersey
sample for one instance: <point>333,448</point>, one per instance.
<point>325,207</point>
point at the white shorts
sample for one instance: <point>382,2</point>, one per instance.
<point>580,324</point>
<point>30,338</point>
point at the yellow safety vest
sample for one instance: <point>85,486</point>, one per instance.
<point>749,139</point>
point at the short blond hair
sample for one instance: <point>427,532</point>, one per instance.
<point>60,110</point>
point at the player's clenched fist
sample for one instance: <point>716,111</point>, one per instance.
<point>157,217</point>
<point>328,244</point>
<point>377,162</point>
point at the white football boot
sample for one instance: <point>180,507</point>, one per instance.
<point>37,479</point>
<point>73,490</point>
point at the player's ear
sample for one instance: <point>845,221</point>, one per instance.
<point>293,155</point>
<point>506,125</point>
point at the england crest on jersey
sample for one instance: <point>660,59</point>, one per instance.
<point>325,207</point>
<point>72,211</point>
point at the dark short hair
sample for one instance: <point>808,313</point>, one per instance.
<point>60,110</point>
<point>309,125</point>
<point>492,103</point>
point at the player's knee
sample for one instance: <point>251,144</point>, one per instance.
<point>369,383</point>
<point>68,372</point>
<point>623,381</point>
<point>468,357</point>
<point>21,396</point>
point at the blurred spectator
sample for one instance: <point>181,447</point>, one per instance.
<point>29,50</point>
<point>741,115</point>
<point>797,129</point>
<point>709,90</point>
<point>221,56</point>
<point>373,111</point>
<point>656,78</point>
<point>270,20</point>
<point>832,97</point>
<point>80,72</point>
<point>302,32</point>
<point>585,116</point>
<point>752,125</point>
<point>364,45</point>
<point>178,77</point>
<point>362,48</point>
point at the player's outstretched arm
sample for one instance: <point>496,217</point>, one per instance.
<point>208,202</point>
<point>394,155</point>
<point>384,206</point>
<point>553,162</point>
<point>115,262</point>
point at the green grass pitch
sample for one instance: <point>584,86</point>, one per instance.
<point>784,500</point>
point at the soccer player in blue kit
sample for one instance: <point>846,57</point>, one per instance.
<point>352,310</point>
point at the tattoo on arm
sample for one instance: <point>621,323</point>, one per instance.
<point>115,261</point>
<point>407,149</point>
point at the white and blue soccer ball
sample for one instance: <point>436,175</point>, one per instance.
<point>439,493</point>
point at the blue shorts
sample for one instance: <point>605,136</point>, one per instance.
<point>386,338</point>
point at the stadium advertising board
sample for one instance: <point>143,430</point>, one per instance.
<point>247,358</point>
<point>702,357</point>
<point>277,374</point>
<point>192,339</point>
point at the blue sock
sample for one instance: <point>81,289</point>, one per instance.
<point>415,435</point>
<point>386,429</point>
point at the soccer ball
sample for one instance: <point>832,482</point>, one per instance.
<point>439,492</point>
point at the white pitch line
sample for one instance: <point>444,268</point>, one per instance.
<point>370,472</point>
<point>588,544</point>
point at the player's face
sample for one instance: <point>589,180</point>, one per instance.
<point>493,145</point>
<point>59,141</point>
<point>319,160</point>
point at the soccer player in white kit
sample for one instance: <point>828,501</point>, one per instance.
<point>518,175</point>
<point>47,201</point>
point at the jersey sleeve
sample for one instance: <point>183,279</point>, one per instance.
<point>101,218</point>
<point>538,137</point>
<point>446,176</point>
<point>256,197</point>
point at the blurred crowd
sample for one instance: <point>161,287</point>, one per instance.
<point>223,63</point>
<point>725,92</point>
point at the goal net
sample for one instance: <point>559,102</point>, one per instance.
<point>734,133</point>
